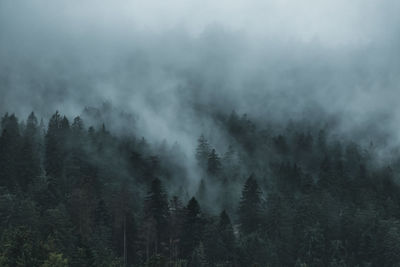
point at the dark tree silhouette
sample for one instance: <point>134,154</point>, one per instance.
<point>250,207</point>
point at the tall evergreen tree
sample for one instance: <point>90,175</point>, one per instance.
<point>192,228</point>
<point>213,163</point>
<point>124,227</point>
<point>29,160</point>
<point>250,207</point>
<point>202,152</point>
<point>177,213</point>
<point>10,143</point>
<point>55,141</point>
<point>227,237</point>
<point>157,212</point>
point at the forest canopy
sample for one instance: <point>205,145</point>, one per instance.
<point>282,195</point>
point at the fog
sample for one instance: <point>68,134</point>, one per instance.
<point>172,63</point>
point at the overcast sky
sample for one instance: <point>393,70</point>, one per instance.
<point>161,58</point>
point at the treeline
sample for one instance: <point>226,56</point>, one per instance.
<point>291,195</point>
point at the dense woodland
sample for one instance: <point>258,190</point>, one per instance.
<point>278,195</point>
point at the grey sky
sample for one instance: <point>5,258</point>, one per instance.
<point>158,58</point>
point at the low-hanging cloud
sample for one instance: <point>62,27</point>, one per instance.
<point>165,61</point>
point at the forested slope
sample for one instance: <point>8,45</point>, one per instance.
<point>289,194</point>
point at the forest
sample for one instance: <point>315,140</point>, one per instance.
<point>288,194</point>
<point>199,133</point>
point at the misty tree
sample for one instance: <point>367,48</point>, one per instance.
<point>214,163</point>
<point>124,228</point>
<point>250,207</point>
<point>226,238</point>
<point>10,143</point>
<point>323,208</point>
<point>326,178</point>
<point>29,159</point>
<point>177,212</point>
<point>55,141</point>
<point>198,258</point>
<point>312,248</point>
<point>201,193</point>
<point>202,152</point>
<point>192,232</point>
<point>280,144</point>
<point>391,248</point>
<point>156,212</point>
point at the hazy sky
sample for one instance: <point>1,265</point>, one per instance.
<point>331,22</point>
<point>161,58</point>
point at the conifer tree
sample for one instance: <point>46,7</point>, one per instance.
<point>10,143</point>
<point>202,152</point>
<point>55,141</point>
<point>175,227</point>
<point>157,211</point>
<point>227,237</point>
<point>29,160</point>
<point>213,163</point>
<point>192,228</point>
<point>250,207</point>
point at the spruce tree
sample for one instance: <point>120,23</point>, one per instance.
<point>55,141</point>
<point>10,143</point>
<point>227,238</point>
<point>157,211</point>
<point>192,228</point>
<point>250,207</point>
<point>213,163</point>
<point>29,160</point>
<point>202,152</point>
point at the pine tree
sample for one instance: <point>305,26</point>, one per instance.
<point>227,238</point>
<point>198,258</point>
<point>175,227</point>
<point>78,169</point>
<point>29,160</point>
<point>202,152</point>
<point>281,145</point>
<point>201,193</point>
<point>234,126</point>
<point>157,211</point>
<point>213,163</point>
<point>322,142</point>
<point>55,141</point>
<point>192,228</point>
<point>312,246</point>
<point>124,228</point>
<point>10,143</point>
<point>250,207</point>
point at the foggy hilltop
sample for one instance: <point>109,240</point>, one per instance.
<point>199,133</point>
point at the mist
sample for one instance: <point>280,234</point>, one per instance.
<point>165,62</point>
<point>199,133</point>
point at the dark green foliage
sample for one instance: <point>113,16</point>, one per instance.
<point>156,216</point>
<point>202,151</point>
<point>20,247</point>
<point>213,163</point>
<point>192,232</point>
<point>29,158</point>
<point>219,240</point>
<point>10,143</point>
<point>77,196</point>
<point>55,145</point>
<point>250,207</point>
